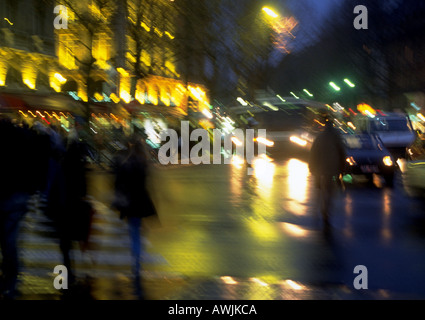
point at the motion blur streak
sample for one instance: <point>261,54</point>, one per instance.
<point>293,285</point>
<point>294,230</point>
<point>228,280</point>
<point>297,185</point>
<point>298,141</point>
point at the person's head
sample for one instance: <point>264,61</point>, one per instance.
<point>134,143</point>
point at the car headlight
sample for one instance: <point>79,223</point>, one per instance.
<point>268,143</point>
<point>388,161</point>
<point>351,161</point>
<point>298,141</point>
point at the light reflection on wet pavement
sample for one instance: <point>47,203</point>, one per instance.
<point>227,235</point>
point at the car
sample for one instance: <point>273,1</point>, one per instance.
<point>394,129</point>
<point>366,155</point>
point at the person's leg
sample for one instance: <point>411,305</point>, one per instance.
<point>134,224</point>
<point>9,238</point>
<point>65,244</point>
<point>327,194</point>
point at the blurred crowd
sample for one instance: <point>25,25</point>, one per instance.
<point>53,163</point>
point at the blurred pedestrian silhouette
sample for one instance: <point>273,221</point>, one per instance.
<point>20,179</point>
<point>132,198</point>
<point>67,203</point>
<point>326,163</point>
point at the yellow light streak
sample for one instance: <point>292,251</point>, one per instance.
<point>270,12</point>
<point>40,114</point>
<point>56,116</point>
<point>294,230</point>
<point>11,23</point>
<point>21,112</point>
<point>258,281</point>
<point>123,72</point>
<point>114,97</point>
<point>169,35</point>
<point>145,26</point>
<point>317,121</point>
<point>60,78</point>
<point>29,84</point>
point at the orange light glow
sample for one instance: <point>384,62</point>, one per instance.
<point>228,280</point>
<point>294,230</point>
<point>366,109</point>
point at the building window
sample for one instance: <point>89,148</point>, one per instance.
<point>102,47</point>
<point>66,51</point>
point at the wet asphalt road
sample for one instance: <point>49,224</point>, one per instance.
<point>224,223</point>
<point>225,234</point>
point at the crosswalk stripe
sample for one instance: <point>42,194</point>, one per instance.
<point>109,243</point>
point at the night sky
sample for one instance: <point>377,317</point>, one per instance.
<point>311,14</point>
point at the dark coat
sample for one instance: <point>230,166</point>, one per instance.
<point>67,203</point>
<point>327,155</point>
<point>132,197</point>
<point>23,160</point>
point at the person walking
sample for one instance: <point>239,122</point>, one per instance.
<point>132,197</point>
<point>326,163</point>
<point>67,203</point>
<point>19,181</point>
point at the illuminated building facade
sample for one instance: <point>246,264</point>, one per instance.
<point>119,52</point>
<point>27,46</point>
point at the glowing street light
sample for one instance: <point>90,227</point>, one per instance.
<point>334,86</point>
<point>350,84</point>
<point>294,95</point>
<point>270,12</point>
<point>280,98</point>
<point>308,93</point>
